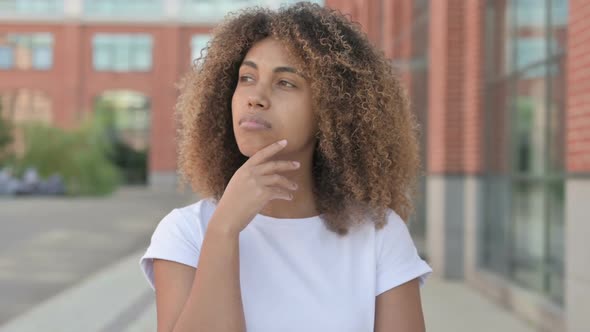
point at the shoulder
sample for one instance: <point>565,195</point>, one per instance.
<point>393,223</point>
<point>187,221</point>
<point>395,234</point>
<point>200,211</point>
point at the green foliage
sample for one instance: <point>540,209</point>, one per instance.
<point>5,139</point>
<point>79,156</point>
<point>131,163</point>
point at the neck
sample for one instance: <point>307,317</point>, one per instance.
<point>303,203</point>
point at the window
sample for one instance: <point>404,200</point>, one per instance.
<point>26,51</point>
<point>525,100</point>
<point>198,43</point>
<point>122,52</point>
<point>44,7</point>
<point>6,57</point>
<point>214,10</point>
<point>26,105</point>
<point>126,8</point>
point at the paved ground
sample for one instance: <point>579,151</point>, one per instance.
<point>49,244</point>
<point>73,266</point>
<point>455,307</point>
<point>89,306</point>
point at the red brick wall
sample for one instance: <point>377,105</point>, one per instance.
<point>446,87</point>
<point>365,12</point>
<point>455,89</point>
<point>473,106</point>
<point>72,84</point>
<point>403,40</point>
<point>50,82</point>
<point>578,88</point>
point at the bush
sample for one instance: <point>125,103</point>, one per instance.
<point>5,139</point>
<point>79,156</point>
<point>132,163</point>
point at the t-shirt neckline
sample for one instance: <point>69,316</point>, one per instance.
<point>275,220</point>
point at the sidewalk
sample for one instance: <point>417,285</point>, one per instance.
<point>455,307</point>
<point>118,299</point>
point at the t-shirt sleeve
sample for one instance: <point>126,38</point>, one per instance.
<point>174,239</point>
<point>397,257</point>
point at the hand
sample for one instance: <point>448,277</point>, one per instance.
<point>252,186</point>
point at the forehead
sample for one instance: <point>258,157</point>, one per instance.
<point>270,52</point>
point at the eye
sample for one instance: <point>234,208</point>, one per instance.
<point>286,84</point>
<point>246,78</point>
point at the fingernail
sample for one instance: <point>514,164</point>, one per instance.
<point>296,164</point>
<point>283,142</point>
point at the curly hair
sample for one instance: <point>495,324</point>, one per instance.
<point>367,156</point>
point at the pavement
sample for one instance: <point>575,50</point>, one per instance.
<point>117,298</point>
<point>50,244</point>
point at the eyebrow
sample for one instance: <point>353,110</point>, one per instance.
<point>282,69</point>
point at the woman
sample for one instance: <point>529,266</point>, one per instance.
<point>298,135</point>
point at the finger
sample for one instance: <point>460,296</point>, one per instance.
<point>279,181</point>
<point>276,166</point>
<point>277,193</point>
<point>265,153</point>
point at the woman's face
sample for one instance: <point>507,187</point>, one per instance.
<point>272,101</point>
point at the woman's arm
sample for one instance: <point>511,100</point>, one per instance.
<point>212,301</point>
<point>205,299</point>
<point>399,309</point>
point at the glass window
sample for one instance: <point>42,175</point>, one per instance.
<point>26,51</point>
<point>141,53</point>
<point>558,25</point>
<point>35,7</point>
<point>214,10</point>
<point>26,105</point>
<point>530,14</point>
<point>130,113</point>
<point>529,123</point>
<point>42,56</point>
<point>101,57</point>
<point>122,52</point>
<point>123,8</point>
<point>198,44</point>
<point>555,247</point>
<point>522,234</point>
<point>528,241</point>
<point>6,57</point>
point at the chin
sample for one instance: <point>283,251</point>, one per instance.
<point>246,151</point>
<point>248,147</point>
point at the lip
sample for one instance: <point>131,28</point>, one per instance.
<point>254,122</point>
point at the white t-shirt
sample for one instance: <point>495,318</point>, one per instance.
<point>295,274</point>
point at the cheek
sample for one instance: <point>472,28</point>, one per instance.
<point>299,122</point>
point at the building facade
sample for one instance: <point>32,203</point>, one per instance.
<point>501,89</point>
<point>59,58</point>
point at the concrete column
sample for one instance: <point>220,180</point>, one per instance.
<point>577,210</point>
<point>446,176</point>
<point>577,251</point>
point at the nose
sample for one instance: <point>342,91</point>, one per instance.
<point>258,101</point>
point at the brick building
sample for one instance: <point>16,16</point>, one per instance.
<point>68,54</point>
<point>501,89</point>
